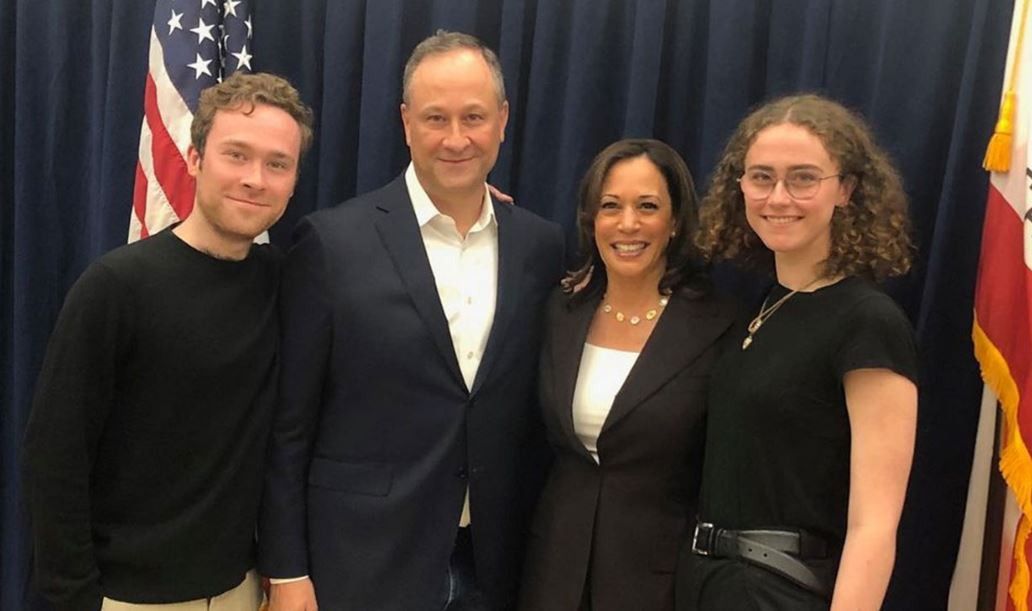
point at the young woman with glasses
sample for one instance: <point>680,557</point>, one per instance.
<point>812,415</point>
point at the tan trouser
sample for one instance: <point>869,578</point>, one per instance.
<point>245,597</point>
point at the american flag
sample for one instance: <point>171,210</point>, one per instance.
<point>193,43</point>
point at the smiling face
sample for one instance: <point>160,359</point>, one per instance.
<point>634,220</point>
<point>245,176</point>
<point>796,230</point>
<point>454,124</point>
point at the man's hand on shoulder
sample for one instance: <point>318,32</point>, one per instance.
<point>292,596</point>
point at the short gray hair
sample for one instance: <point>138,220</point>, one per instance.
<point>444,41</point>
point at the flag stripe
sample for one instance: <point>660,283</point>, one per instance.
<point>159,212</point>
<point>173,111</point>
<point>139,203</point>
<point>169,167</point>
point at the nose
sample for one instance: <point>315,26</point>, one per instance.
<point>254,175</point>
<point>779,194</point>
<point>628,219</point>
<point>455,139</point>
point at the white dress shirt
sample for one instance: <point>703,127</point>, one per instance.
<point>466,274</point>
<point>601,376</point>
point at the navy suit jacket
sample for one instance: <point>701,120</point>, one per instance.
<point>376,436</point>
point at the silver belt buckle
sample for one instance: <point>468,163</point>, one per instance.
<point>708,528</point>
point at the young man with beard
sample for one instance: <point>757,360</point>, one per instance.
<point>144,446</point>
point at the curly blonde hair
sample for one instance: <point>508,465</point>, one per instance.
<point>870,236</point>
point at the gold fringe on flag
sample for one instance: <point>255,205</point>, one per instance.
<point>1015,460</point>
<point>998,153</point>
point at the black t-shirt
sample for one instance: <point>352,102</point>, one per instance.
<point>778,435</point>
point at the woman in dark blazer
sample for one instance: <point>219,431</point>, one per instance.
<point>630,339</point>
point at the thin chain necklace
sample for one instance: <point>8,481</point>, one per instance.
<point>767,312</point>
<point>635,320</point>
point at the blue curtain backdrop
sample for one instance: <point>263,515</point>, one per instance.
<point>580,74</point>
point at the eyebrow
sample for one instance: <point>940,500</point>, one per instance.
<point>245,145</point>
<point>801,166</point>
<point>642,196</point>
<point>465,108</point>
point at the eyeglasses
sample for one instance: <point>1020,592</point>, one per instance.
<point>800,184</point>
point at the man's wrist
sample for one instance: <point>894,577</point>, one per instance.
<point>280,580</point>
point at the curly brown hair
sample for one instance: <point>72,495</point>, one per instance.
<point>870,235</point>
<point>684,268</point>
<point>247,90</point>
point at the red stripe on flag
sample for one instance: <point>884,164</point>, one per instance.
<point>140,200</point>
<point>169,166</point>
<point>1003,298</point>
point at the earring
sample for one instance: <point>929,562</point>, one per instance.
<point>673,234</point>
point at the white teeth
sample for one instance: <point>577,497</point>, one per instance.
<point>629,247</point>
<point>782,220</point>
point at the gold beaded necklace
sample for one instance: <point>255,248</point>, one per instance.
<point>635,320</point>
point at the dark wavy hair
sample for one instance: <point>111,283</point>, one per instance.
<point>684,268</point>
<point>870,235</point>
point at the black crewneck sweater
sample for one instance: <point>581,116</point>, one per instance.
<point>143,452</point>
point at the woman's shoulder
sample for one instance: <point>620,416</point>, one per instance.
<point>711,302</point>
<point>864,300</point>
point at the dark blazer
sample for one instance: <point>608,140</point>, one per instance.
<point>619,524</point>
<point>376,436</point>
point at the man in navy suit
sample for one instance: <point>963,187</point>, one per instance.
<point>405,457</point>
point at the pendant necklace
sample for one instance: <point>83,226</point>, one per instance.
<point>766,312</point>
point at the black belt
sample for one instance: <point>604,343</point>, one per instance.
<point>778,551</point>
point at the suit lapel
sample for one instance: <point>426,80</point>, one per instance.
<point>686,329</point>
<point>400,234</point>
<point>510,272</point>
<point>569,331</point>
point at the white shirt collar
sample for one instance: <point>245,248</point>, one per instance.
<point>426,211</point>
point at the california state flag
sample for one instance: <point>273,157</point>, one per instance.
<point>1002,330</point>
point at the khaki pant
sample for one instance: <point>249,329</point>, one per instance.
<point>245,597</point>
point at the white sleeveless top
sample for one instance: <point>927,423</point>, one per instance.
<point>601,375</point>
